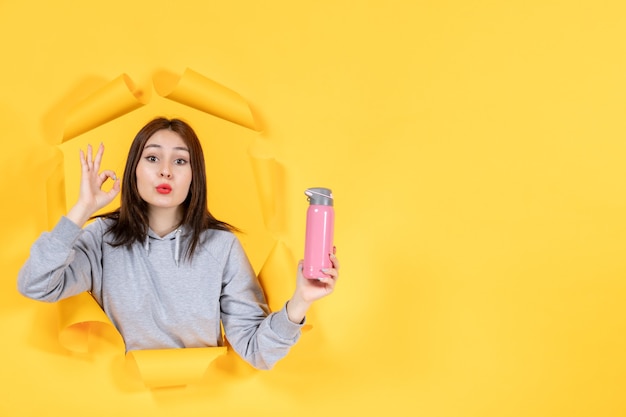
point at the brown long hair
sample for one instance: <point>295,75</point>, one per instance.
<point>131,219</point>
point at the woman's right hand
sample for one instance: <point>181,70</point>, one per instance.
<point>92,197</point>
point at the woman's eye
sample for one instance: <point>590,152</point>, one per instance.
<point>151,158</point>
<point>180,161</point>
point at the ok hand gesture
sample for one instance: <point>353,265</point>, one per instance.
<point>92,197</point>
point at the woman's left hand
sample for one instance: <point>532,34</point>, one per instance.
<point>310,290</point>
<point>314,289</point>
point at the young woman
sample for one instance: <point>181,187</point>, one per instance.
<point>165,271</point>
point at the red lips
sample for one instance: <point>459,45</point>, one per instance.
<point>163,189</point>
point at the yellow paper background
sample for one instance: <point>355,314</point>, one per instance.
<point>475,150</point>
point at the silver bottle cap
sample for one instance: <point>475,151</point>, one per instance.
<point>319,196</point>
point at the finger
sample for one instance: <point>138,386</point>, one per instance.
<point>83,162</point>
<point>334,260</point>
<point>114,191</point>
<point>331,272</point>
<point>98,160</point>
<point>106,174</point>
<point>328,282</point>
<point>89,157</point>
<point>116,186</point>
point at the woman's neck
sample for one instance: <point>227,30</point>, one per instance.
<point>164,221</point>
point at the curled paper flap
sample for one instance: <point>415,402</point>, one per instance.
<point>55,195</point>
<point>204,94</point>
<point>115,99</point>
<point>81,316</point>
<point>270,179</point>
<point>278,266</point>
<point>160,368</point>
<point>277,273</point>
<point>265,174</point>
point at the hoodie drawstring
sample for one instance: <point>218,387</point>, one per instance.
<point>177,246</point>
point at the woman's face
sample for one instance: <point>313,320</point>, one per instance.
<point>164,171</point>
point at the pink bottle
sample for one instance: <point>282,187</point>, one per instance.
<point>320,227</point>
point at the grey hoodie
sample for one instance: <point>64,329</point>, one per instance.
<point>155,297</point>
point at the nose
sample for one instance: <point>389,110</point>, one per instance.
<point>165,172</point>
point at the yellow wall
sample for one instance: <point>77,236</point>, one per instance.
<point>476,153</point>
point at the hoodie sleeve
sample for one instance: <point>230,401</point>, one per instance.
<point>259,336</point>
<point>62,262</point>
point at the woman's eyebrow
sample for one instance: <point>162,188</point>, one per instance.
<point>177,148</point>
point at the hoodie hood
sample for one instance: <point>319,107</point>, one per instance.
<point>175,236</point>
